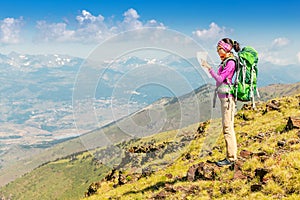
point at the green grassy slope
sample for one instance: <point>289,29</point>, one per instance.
<point>179,112</point>
<point>156,167</point>
<point>66,178</point>
<point>268,166</point>
<point>159,163</point>
<point>94,138</point>
<point>279,90</point>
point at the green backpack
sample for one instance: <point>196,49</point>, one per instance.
<point>245,85</point>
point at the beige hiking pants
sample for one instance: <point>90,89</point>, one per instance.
<point>228,109</point>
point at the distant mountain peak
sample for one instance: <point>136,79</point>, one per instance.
<point>15,59</point>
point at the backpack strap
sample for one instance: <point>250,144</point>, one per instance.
<point>237,64</point>
<point>224,62</point>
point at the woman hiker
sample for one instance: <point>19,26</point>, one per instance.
<point>224,77</point>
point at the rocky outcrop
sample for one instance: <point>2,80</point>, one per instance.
<point>293,122</point>
<point>201,171</point>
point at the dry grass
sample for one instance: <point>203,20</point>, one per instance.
<point>283,163</point>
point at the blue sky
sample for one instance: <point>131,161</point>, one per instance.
<point>75,27</point>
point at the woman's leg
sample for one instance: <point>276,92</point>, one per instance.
<point>228,108</point>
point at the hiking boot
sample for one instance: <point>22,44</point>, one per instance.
<point>224,162</point>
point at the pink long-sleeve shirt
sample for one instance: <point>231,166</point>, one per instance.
<point>223,74</point>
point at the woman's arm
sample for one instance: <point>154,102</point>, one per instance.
<point>228,69</point>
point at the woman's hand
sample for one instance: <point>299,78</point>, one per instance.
<point>205,64</point>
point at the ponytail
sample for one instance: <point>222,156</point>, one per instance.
<point>236,46</point>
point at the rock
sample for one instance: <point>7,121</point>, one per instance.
<point>261,172</point>
<point>261,153</point>
<point>160,195</point>
<point>245,116</point>
<point>201,129</point>
<point>191,173</point>
<point>194,189</point>
<point>239,175</point>
<point>293,141</point>
<point>247,107</point>
<point>111,175</point>
<point>275,102</point>
<point>202,171</point>
<point>246,154</point>
<point>122,179</point>
<point>280,143</point>
<point>273,105</point>
<point>147,171</point>
<point>169,176</point>
<point>92,189</point>
<point>188,156</point>
<point>256,187</point>
<point>293,122</point>
<point>260,136</point>
<point>169,188</point>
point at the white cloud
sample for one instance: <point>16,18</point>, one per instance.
<point>87,17</point>
<point>131,14</point>
<point>131,20</point>
<point>214,32</point>
<point>54,32</point>
<point>280,42</point>
<point>276,54</point>
<point>154,23</point>
<point>298,56</point>
<point>273,58</point>
<point>10,29</point>
<point>278,57</point>
<point>91,28</point>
